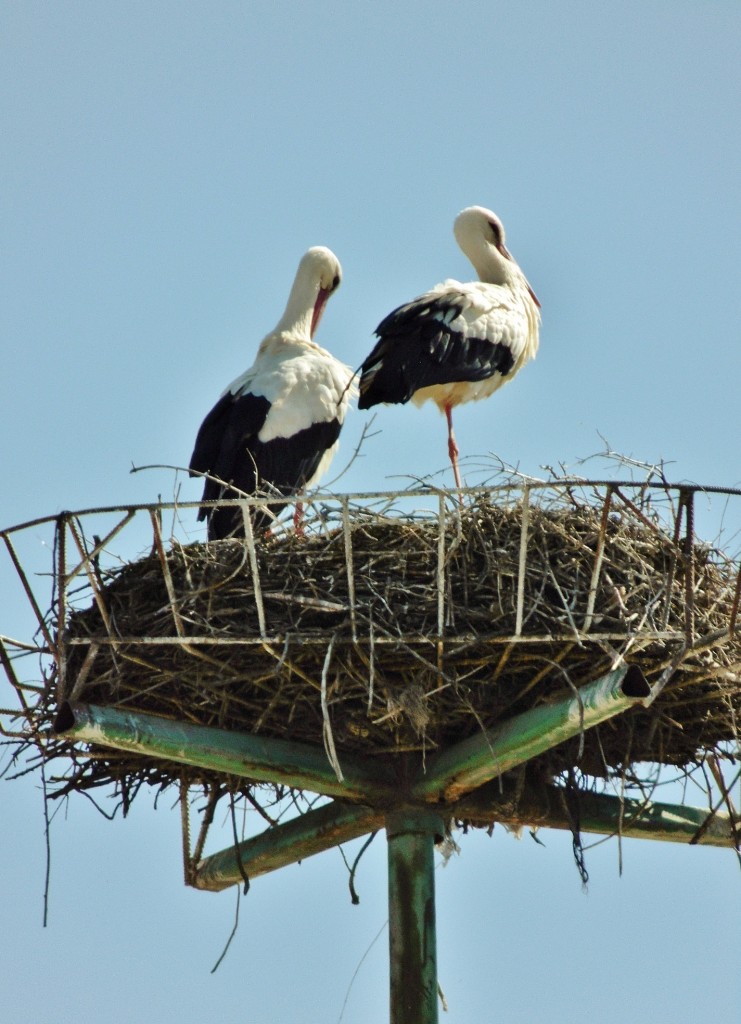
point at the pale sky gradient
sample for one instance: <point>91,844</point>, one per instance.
<point>165,165</point>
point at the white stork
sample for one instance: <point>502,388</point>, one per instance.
<point>275,429</point>
<point>458,342</point>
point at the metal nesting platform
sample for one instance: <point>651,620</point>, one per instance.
<point>415,662</point>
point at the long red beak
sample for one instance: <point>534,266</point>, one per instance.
<point>321,302</point>
<point>508,256</point>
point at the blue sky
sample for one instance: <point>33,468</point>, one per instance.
<point>165,165</point>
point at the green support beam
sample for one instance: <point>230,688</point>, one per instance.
<point>485,755</point>
<point>598,813</point>
<point>337,823</point>
<point>288,843</point>
<point>411,838</point>
<point>262,759</point>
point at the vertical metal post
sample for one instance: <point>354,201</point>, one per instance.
<point>61,571</point>
<point>523,560</point>
<point>412,942</point>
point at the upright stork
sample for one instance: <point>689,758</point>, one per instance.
<point>458,342</point>
<point>276,427</point>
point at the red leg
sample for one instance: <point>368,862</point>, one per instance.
<point>453,449</point>
<point>298,516</point>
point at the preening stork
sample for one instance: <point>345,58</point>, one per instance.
<point>276,427</point>
<point>458,342</point>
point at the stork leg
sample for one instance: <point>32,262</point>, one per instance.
<point>453,450</point>
<point>298,515</point>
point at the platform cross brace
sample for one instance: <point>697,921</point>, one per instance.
<point>601,814</point>
<point>258,758</point>
<point>288,843</point>
<point>338,822</point>
<point>477,760</point>
<point>487,754</point>
<point>461,768</point>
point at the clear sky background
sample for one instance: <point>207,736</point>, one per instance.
<point>164,167</point>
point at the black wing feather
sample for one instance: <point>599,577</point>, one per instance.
<point>224,438</point>
<point>227,446</point>
<point>418,347</point>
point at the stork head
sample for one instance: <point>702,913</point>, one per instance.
<point>318,276</point>
<point>326,270</point>
<point>480,234</point>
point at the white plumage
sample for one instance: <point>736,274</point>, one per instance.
<point>458,342</point>
<point>276,427</point>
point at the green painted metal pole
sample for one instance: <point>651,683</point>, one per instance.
<point>482,757</point>
<point>412,939</point>
<point>293,841</point>
<point>259,758</point>
<point>599,813</point>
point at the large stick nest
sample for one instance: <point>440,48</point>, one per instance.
<point>357,634</point>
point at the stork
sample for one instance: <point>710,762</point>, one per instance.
<point>276,427</point>
<point>458,342</point>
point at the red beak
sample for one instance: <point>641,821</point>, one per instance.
<point>508,256</point>
<point>321,302</point>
